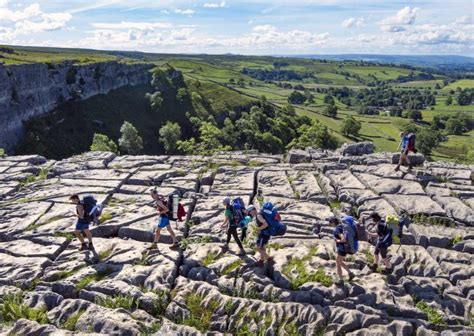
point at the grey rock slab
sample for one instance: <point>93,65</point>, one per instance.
<point>33,328</point>
<point>358,148</point>
<point>33,159</point>
<point>456,209</point>
<point>182,183</point>
<point>343,320</point>
<point>393,328</point>
<point>381,170</point>
<point>21,270</point>
<point>151,177</point>
<point>342,179</point>
<point>97,174</point>
<point>307,187</point>
<point>275,184</point>
<point>415,204</point>
<point>356,196</point>
<point>26,248</point>
<point>42,299</point>
<point>416,159</point>
<point>379,205</point>
<point>437,236</point>
<point>15,218</point>
<point>390,186</point>
<point>143,230</point>
<point>298,156</point>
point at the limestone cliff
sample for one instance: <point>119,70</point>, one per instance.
<point>30,90</point>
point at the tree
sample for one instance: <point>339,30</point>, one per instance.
<point>464,98</point>
<point>314,135</point>
<point>130,142</point>
<point>241,82</point>
<point>437,123</point>
<point>155,99</point>
<point>415,115</point>
<point>426,140</point>
<point>449,101</point>
<point>330,110</point>
<point>102,143</point>
<point>210,141</point>
<point>395,111</point>
<point>350,126</point>
<point>297,97</point>
<point>170,133</point>
<point>328,99</point>
<point>454,125</point>
<point>181,94</point>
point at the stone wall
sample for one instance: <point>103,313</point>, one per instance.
<point>30,90</point>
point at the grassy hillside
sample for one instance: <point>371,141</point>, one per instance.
<point>223,81</point>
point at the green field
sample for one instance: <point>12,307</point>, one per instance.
<point>226,71</point>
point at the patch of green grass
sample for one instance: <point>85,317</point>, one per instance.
<point>2,152</point>
<point>12,309</point>
<point>200,315</point>
<point>368,256</point>
<point>66,274</point>
<point>70,323</point>
<point>335,205</point>
<point>303,273</point>
<point>456,240</point>
<point>434,316</point>
<point>68,235</point>
<point>255,163</point>
<point>291,329</point>
<point>105,216</point>
<point>93,278</point>
<point>232,267</point>
<point>120,301</point>
<point>143,259</point>
<point>209,259</point>
<point>105,254</point>
<point>275,246</point>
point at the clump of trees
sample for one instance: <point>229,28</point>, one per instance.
<point>102,143</point>
<point>350,126</point>
<point>465,97</point>
<point>315,135</point>
<point>130,141</point>
<point>170,133</point>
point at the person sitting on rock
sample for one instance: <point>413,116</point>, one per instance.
<point>164,221</point>
<point>340,249</point>
<point>262,237</point>
<point>231,225</point>
<point>405,147</point>
<point>384,234</point>
<point>82,224</point>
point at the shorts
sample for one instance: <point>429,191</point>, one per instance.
<point>382,251</point>
<point>342,253</point>
<point>82,226</point>
<point>164,222</point>
<point>262,240</point>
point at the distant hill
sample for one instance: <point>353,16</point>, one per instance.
<point>418,60</point>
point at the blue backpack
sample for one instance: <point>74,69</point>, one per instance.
<point>350,234</point>
<point>273,218</point>
<point>238,210</point>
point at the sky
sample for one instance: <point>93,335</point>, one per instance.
<point>254,27</point>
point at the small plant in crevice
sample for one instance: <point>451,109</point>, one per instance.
<point>120,301</point>
<point>105,216</point>
<point>200,314</point>
<point>434,316</point>
<point>12,308</point>
<point>209,259</point>
<point>71,321</point>
<point>232,267</point>
<point>335,205</point>
<point>369,256</point>
<point>93,278</point>
<point>456,240</point>
<point>105,254</point>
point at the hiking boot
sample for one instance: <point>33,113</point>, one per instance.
<point>270,260</point>
<point>351,276</point>
<point>260,263</point>
<point>83,247</point>
<point>373,267</point>
<point>397,168</point>
<point>152,247</point>
<point>410,166</point>
<point>175,245</point>
<point>90,247</point>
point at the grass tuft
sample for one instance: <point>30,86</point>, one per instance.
<point>12,309</point>
<point>200,315</point>
<point>434,316</point>
<point>70,323</point>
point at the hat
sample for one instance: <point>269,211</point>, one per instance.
<point>226,200</point>
<point>251,207</point>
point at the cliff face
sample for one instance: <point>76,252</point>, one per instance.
<point>30,90</point>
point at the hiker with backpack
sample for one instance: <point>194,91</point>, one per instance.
<point>84,218</point>
<point>162,206</point>
<point>384,241</point>
<point>269,224</point>
<point>345,236</point>
<point>407,144</point>
<point>234,214</point>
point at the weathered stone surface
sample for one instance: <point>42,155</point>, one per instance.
<point>359,148</point>
<point>298,156</point>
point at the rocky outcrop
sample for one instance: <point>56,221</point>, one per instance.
<point>121,288</point>
<point>30,90</point>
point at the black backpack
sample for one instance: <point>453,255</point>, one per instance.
<point>88,202</point>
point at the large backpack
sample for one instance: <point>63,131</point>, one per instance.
<point>238,210</point>
<point>396,226</point>
<point>273,218</point>
<point>351,245</point>
<point>89,203</point>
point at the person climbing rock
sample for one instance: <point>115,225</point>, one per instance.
<point>384,234</point>
<point>407,144</point>
<point>263,237</point>
<point>164,220</point>
<point>231,222</point>
<point>83,221</point>
<point>341,249</point>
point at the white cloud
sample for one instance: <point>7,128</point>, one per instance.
<point>131,25</point>
<point>3,3</point>
<point>464,20</point>
<point>214,4</point>
<point>185,11</point>
<point>353,22</point>
<point>29,20</point>
<point>399,22</point>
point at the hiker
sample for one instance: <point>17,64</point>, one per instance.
<point>407,144</point>
<point>384,234</point>
<point>263,236</point>
<point>342,247</point>
<point>231,222</point>
<point>82,224</point>
<point>164,222</point>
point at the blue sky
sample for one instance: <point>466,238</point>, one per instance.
<point>246,27</point>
